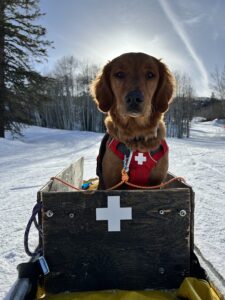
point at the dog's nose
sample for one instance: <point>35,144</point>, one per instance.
<point>134,97</point>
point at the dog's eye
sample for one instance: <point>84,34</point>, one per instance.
<point>119,75</point>
<point>149,75</point>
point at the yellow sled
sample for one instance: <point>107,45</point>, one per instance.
<point>190,289</point>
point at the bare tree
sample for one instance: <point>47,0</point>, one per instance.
<point>180,113</point>
<point>71,106</point>
<point>90,115</point>
<point>218,83</point>
<point>60,112</point>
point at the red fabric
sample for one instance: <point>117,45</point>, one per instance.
<point>113,145</point>
<point>139,171</point>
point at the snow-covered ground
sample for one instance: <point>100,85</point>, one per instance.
<point>28,162</point>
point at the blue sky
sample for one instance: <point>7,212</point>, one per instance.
<point>189,35</point>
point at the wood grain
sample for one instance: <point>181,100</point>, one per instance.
<point>73,175</point>
<point>151,251</point>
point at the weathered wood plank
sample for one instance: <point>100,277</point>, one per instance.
<point>175,184</point>
<point>151,251</point>
<point>179,184</point>
<point>72,174</point>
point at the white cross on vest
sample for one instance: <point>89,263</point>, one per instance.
<point>140,158</point>
<point>113,213</point>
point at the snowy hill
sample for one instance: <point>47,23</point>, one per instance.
<point>27,163</point>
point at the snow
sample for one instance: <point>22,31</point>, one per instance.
<point>27,163</point>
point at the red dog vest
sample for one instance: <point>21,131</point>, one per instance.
<point>141,163</point>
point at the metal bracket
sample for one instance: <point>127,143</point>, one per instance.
<point>44,265</point>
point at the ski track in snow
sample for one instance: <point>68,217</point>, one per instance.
<point>27,163</point>
<point>200,160</point>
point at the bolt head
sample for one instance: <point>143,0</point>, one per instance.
<point>49,213</point>
<point>182,213</point>
<point>161,270</point>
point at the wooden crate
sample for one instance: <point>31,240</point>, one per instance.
<point>149,248</point>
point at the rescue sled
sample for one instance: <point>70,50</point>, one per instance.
<point>118,244</point>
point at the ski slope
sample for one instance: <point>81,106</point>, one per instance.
<point>28,162</point>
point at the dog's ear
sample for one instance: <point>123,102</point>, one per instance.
<point>101,89</point>
<point>165,88</point>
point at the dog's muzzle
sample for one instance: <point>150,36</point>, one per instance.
<point>134,99</point>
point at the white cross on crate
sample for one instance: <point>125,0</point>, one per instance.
<point>114,213</point>
<point>140,158</point>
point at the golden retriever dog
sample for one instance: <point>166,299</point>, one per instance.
<point>134,90</point>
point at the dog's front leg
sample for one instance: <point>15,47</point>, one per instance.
<point>111,169</point>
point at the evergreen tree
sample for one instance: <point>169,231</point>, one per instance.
<point>22,42</point>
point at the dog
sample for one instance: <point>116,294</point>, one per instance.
<point>134,90</point>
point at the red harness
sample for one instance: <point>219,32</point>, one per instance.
<point>140,163</point>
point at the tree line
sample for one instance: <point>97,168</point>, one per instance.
<point>70,105</point>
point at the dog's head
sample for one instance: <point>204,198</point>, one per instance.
<point>135,85</point>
